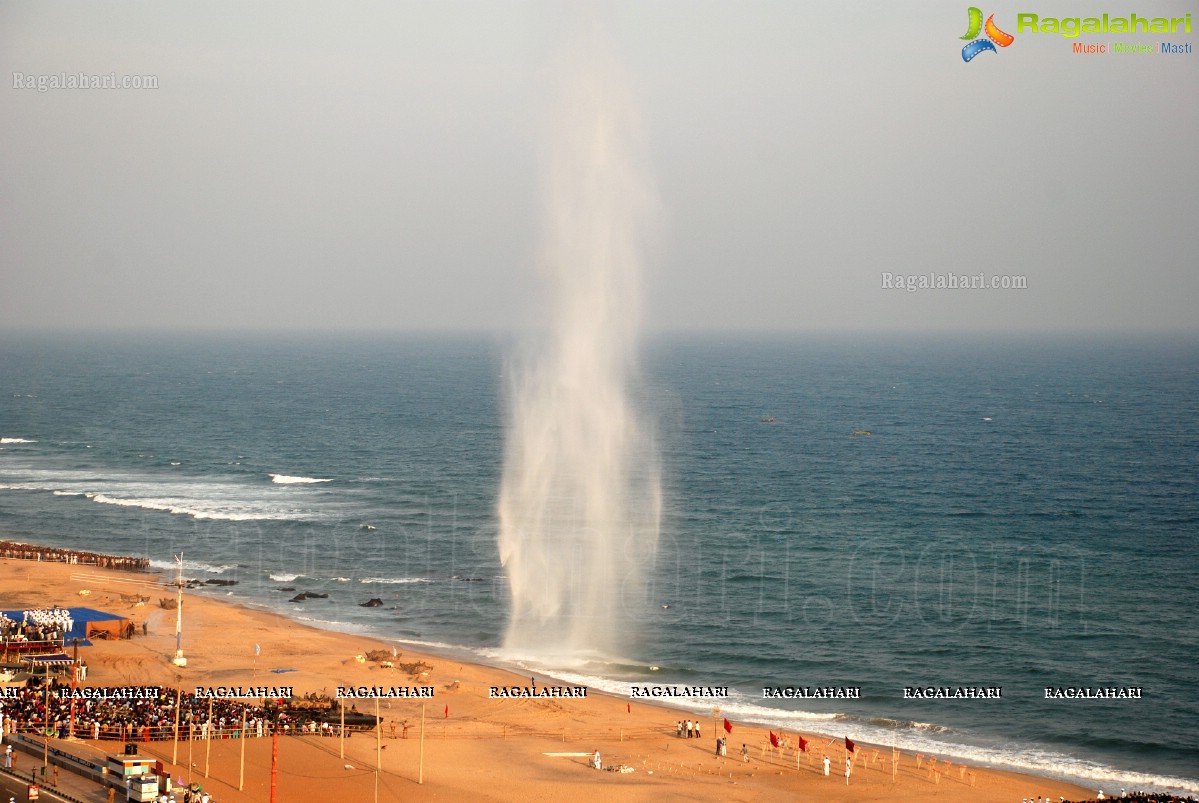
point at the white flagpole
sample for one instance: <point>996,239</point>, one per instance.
<point>179,660</point>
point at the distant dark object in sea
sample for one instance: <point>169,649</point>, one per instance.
<point>373,602</point>
<point>303,595</point>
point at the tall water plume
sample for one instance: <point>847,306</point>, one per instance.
<point>580,497</point>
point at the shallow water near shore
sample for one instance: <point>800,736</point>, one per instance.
<point>1022,514</point>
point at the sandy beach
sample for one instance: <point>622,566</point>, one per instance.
<point>474,747</point>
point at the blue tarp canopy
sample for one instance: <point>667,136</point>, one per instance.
<point>80,618</point>
<point>55,658</point>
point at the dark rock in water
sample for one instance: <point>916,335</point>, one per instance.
<point>215,582</point>
<point>286,588</point>
<point>374,602</point>
<point>303,595</point>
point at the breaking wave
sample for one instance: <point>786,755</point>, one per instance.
<point>283,479</point>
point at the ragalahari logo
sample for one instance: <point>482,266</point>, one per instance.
<point>994,35</point>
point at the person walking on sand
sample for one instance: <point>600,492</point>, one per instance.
<point>827,764</point>
<point>745,752</point>
<point>689,729</point>
<point>697,733</point>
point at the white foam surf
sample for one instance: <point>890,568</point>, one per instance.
<point>180,507</point>
<point>192,565</point>
<point>284,479</point>
<point>200,498</point>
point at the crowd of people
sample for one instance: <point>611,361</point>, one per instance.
<point>19,551</point>
<point>41,625</point>
<point>152,718</point>
<point>1137,797</point>
<point>189,796</point>
<point>1123,797</point>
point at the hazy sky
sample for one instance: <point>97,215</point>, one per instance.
<point>360,165</point>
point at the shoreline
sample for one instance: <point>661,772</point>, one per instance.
<point>937,753</point>
<point>219,642</point>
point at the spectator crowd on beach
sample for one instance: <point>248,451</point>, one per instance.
<point>1127,797</point>
<point>19,551</point>
<point>152,718</point>
<point>42,624</point>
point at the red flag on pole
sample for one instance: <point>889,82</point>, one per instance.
<point>774,740</point>
<point>628,707</point>
<point>803,744</point>
<point>447,711</point>
<point>849,745</point>
<point>728,726</point>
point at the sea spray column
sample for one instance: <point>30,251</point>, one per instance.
<point>580,497</point>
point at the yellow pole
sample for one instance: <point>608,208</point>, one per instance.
<point>241,772</point>
<point>420,778</point>
<point>178,705</point>
<point>191,737</point>
<point>378,749</point>
<point>46,730</point>
<point>208,741</point>
<point>341,706</point>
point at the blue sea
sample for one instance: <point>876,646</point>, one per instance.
<point>1023,513</point>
